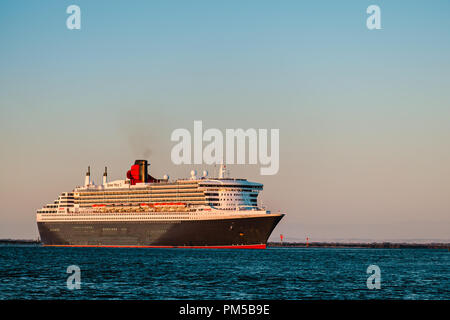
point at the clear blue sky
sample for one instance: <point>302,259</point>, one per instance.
<point>363,115</point>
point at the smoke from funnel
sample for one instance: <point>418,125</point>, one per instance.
<point>141,134</point>
<point>139,141</point>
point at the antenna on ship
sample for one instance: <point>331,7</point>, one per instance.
<point>105,176</point>
<point>87,179</point>
<point>223,172</point>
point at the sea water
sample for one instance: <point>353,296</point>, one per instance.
<point>36,272</point>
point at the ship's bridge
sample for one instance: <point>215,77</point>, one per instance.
<point>231,194</point>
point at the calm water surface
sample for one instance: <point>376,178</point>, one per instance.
<point>34,272</point>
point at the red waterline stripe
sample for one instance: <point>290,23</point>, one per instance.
<point>250,246</point>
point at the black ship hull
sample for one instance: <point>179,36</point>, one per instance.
<point>251,232</point>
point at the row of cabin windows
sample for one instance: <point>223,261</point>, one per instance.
<point>180,189</point>
<point>190,194</point>
<point>133,204</point>
<point>231,186</point>
<point>136,193</point>
<point>140,200</point>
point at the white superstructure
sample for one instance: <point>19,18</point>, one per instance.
<point>193,198</point>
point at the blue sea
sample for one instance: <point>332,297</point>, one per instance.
<point>35,272</point>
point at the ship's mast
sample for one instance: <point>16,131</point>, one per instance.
<point>223,171</point>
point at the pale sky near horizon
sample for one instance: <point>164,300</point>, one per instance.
<point>364,115</point>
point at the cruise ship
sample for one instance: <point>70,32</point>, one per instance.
<point>142,211</point>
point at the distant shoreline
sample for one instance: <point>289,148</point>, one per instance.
<point>374,245</point>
